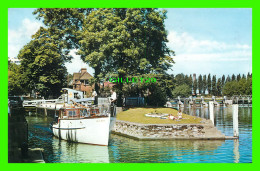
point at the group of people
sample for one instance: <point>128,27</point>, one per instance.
<point>179,116</point>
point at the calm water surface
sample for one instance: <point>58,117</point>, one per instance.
<point>126,150</point>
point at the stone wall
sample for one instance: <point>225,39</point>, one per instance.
<point>205,130</point>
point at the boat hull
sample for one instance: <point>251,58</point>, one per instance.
<point>87,130</point>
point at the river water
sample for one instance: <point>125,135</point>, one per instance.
<point>127,150</point>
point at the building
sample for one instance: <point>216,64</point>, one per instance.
<point>14,60</point>
<point>81,82</point>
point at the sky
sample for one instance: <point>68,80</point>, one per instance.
<point>209,40</point>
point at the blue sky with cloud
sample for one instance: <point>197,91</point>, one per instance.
<point>216,41</point>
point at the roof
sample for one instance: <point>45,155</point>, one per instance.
<point>85,76</point>
<point>76,76</point>
<point>108,84</point>
<point>81,76</point>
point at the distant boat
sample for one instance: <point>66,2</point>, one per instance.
<point>83,125</point>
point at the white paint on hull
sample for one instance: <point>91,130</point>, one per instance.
<point>87,130</point>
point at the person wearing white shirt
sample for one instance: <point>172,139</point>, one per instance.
<point>113,99</point>
<point>94,95</point>
<point>113,96</point>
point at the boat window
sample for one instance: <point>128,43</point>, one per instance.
<point>83,113</point>
<point>72,113</point>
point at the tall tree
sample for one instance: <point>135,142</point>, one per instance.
<point>209,84</point>
<point>200,84</point>
<point>233,78</point>
<point>42,64</point>
<point>180,79</point>
<point>228,79</point>
<point>238,77</point>
<point>249,75</point>
<point>244,76</point>
<point>125,42</point>
<point>64,24</point>
<point>190,81</point>
<point>223,80</point>
<point>204,83</point>
<point>219,87</point>
<point>214,85</point>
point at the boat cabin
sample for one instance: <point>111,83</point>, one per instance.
<point>76,113</point>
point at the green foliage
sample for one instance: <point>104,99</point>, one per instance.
<point>219,87</point>
<point>15,80</point>
<point>125,42</point>
<point>209,84</point>
<point>200,84</point>
<point>233,78</point>
<point>63,23</point>
<point>42,64</point>
<point>182,91</point>
<point>204,82</point>
<point>156,92</point>
<point>214,85</point>
<point>241,87</point>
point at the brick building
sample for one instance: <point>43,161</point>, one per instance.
<point>81,82</point>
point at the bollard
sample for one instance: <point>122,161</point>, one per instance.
<point>211,111</point>
<point>235,120</point>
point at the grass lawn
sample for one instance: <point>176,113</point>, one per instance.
<point>138,115</point>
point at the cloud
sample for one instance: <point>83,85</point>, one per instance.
<point>17,38</point>
<point>76,64</point>
<point>214,56</point>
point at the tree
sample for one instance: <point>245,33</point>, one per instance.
<point>228,79</point>
<point>223,80</point>
<point>64,24</point>
<point>180,79</point>
<point>42,65</point>
<point>200,84</point>
<point>233,78</point>
<point>182,91</point>
<point>241,87</point>
<point>248,86</point>
<point>219,87</point>
<point>243,76</point>
<point>230,89</point>
<point>189,81</point>
<point>249,75</point>
<point>238,77</point>
<point>125,42</point>
<point>209,84</point>
<point>214,85</point>
<point>15,78</point>
<point>204,83</point>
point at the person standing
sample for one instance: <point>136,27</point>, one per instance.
<point>112,100</point>
<point>94,95</point>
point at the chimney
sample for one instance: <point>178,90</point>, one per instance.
<point>83,70</point>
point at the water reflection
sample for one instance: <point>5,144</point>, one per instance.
<point>131,151</point>
<point>126,150</point>
<point>69,152</point>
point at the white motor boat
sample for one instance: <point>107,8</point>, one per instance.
<point>83,125</point>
